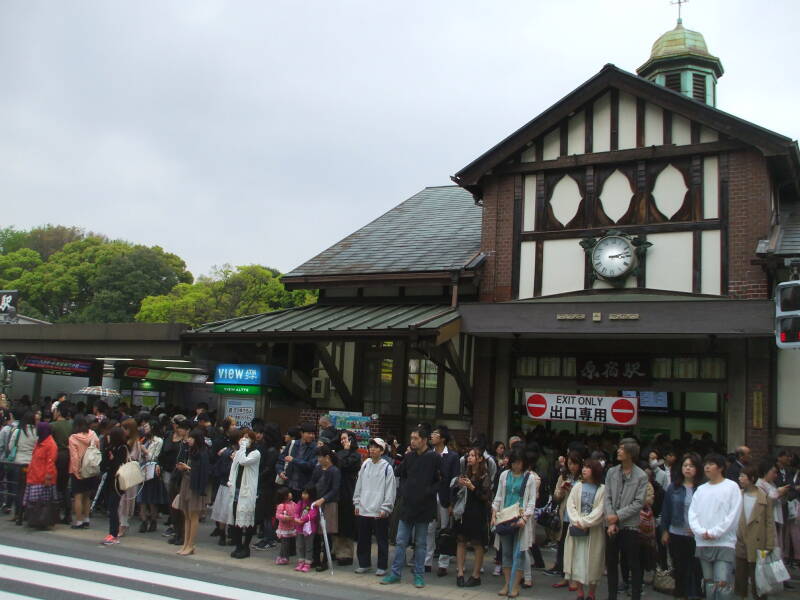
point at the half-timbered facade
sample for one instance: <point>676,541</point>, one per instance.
<point>460,302</point>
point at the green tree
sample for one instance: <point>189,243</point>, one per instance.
<point>227,293</point>
<point>94,280</point>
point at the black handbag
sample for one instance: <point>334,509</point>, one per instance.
<point>42,515</point>
<point>446,541</point>
<point>577,531</point>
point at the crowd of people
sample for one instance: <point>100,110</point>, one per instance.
<point>609,505</point>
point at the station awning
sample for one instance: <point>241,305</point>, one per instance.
<point>340,321</point>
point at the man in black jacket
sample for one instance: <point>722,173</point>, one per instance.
<point>440,438</point>
<point>420,473</point>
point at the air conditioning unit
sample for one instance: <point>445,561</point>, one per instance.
<point>320,385</point>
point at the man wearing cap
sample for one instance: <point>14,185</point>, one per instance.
<point>373,501</point>
<point>300,462</point>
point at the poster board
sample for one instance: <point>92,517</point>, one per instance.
<point>355,422</point>
<point>243,410</point>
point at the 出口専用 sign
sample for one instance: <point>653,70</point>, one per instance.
<point>603,410</point>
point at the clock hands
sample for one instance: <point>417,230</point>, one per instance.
<point>621,255</point>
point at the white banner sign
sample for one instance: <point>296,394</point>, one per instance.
<point>241,409</point>
<point>603,410</point>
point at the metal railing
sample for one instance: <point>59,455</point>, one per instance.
<point>10,476</point>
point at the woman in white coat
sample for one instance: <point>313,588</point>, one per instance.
<point>515,487</point>
<point>585,547</point>
<point>243,493</point>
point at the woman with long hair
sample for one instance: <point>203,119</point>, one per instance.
<point>585,546</point>
<point>473,526</point>
<point>41,477</point>
<point>82,437</point>
<point>153,494</point>
<point>192,495</point>
<point>677,536</point>
<point>127,503</point>
<point>221,469</point>
<point>348,460</point>
<point>570,475</point>
<point>21,443</point>
<point>270,447</point>
<point>115,452</point>
<point>243,493</point>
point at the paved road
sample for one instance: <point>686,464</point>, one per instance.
<point>66,564</point>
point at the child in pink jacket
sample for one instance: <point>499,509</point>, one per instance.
<point>285,514</point>
<point>307,522</point>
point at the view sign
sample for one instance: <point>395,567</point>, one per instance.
<point>238,374</point>
<point>604,410</point>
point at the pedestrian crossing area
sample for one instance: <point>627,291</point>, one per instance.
<point>32,574</point>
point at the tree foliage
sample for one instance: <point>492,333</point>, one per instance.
<point>229,292</point>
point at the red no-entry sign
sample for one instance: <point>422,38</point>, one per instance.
<point>537,405</point>
<point>601,410</point>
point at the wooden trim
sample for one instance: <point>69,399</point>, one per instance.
<point>399,376</point>
<point>588,283</point>
<point>667,227</point>
<point>589,126</point>
<point>590,199</point>
<point>516,225</point>
<point>641,277</point>
<point>541,190</point>
<point>358,279</point>
<point>629,155</point>
<point>539,152</point>
<point>695,132</point>
<point>667,127</point>
<point>640,109</point>
<point>697,187</point>
<point>563,137</point>
<point>697,261</point>
<point>614,119</point>
<point>724,173</point>
<point>642,191</point>
<point>336,377</point>
<point>539,264</point>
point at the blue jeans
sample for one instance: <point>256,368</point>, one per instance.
<point>717,579</point>
<point>404,531</point>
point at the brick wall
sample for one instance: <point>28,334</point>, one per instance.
<point>748,222</point>
<point>497,239</point>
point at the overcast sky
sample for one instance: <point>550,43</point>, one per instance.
<point>263,132</point>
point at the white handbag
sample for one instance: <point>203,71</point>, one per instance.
<point>129,475</point>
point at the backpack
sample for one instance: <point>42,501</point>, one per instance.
<point>90,463</point>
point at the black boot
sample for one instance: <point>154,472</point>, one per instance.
<point>143,526</point>
<point>245,552</point>
<point>153,525</point>
<point>236,537</point>
<point>222,538</point>
<point>230,536</point>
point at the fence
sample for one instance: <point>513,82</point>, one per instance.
<point>10,476</point>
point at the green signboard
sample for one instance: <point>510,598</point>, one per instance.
<point>236,389</point>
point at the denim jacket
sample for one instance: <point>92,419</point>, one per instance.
<point>672,513</point>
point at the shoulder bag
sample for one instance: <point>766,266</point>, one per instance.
<point>12,453</point>
<point>506,519</point>
<point>129,474</point>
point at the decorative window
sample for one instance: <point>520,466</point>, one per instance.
<point>673,81</point>
<point>699,87</point>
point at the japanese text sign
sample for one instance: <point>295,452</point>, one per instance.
<point>242,410</point>
<point>240,374</point>
<point>8,301</point>
<point>601,410</point>
<point>624,372</point>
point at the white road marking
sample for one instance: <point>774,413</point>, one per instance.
<point>81,586</point>
<point>162,579</point>
<point>10,596</point>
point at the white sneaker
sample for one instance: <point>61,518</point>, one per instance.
<point>498,570</point>
<point>362,570</point>
<point>380,572</point>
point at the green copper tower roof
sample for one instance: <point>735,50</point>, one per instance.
<point>680,46</point>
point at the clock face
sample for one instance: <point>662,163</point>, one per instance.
<point>613,257</point>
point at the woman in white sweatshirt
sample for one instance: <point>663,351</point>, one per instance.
<point>373,501</point>
<point>713,518</point>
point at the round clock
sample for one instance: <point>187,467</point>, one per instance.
<point>613,257</point>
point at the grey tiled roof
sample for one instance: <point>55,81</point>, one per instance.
<point>789,241</point>
<point>437,229</point>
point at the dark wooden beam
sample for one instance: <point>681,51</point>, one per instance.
<point>336,377</point>
<point>399,376</point>
<point>360,279</point>
<point>630,155</point>
<point>519,193</point>
<point>589,125</point>
<point>697,262</point>
<point>667,123</point>
<point>640,108</point>
<point>563,137</point>
<point>724,167</point>
<point>538,268</point>
<point>458,373</point>
<point>667,227</point>
<point>295,390</point>
<point>614,119</point>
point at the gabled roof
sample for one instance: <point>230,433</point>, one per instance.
<point>437,229</point>
<point>769,142</point>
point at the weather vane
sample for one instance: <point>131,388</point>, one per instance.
<point>680,4</point>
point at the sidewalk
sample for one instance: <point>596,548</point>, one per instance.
<point>209,555</point>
